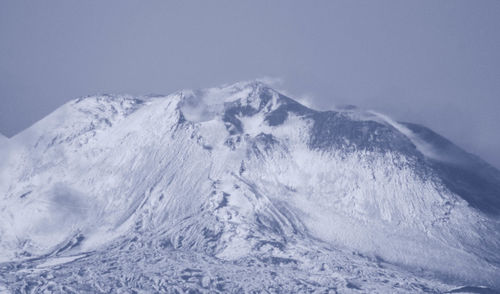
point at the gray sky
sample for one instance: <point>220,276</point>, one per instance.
<point>430,62</point>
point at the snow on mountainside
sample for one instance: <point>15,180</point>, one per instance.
<point>239,188</point>
<point>3,142</point>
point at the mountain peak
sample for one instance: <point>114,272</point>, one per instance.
<point>205,104</point>
<point>242,172</point>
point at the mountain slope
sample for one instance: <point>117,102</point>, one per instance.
<point>240,176</point>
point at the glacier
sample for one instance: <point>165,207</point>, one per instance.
<point>240,188</point>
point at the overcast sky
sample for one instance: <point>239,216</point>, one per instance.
<point>430,62</point>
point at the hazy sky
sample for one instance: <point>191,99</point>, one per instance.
<point>430,62</point>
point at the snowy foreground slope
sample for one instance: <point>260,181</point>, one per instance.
<point>241,188</point>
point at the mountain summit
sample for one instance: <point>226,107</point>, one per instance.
<point>241,188</point>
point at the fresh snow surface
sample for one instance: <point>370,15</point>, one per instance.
<point>238,189</point>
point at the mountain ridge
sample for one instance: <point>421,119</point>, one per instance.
<point>242,173</point>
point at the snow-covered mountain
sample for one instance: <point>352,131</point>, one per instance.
<point>240,188</point>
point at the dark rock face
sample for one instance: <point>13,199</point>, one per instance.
<point>335,130</point>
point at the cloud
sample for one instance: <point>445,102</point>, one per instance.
<point>424,147</point>
<point>271,81</point>
<point>306,100</point>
